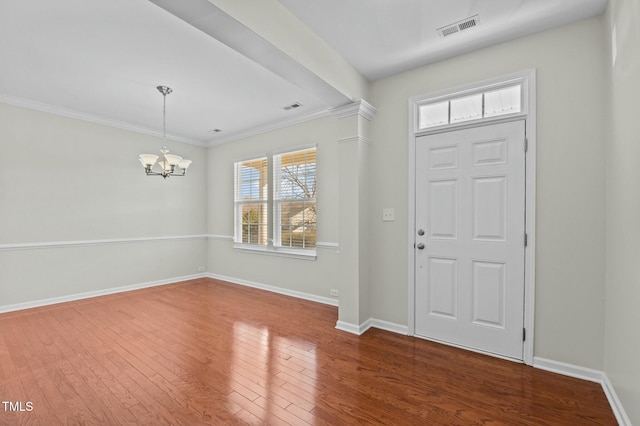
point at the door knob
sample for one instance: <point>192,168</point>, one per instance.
<point>420,246</point>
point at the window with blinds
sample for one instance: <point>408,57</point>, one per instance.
<point>294,199</point>
<point>281,219</point>
<point>251,201</point>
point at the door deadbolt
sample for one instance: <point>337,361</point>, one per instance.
<point>420,232</point>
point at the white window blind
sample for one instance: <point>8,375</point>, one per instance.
<point>502,101</point>
<point>294,199</point>
<point>485,104</point>
<point>280,219</point>
<point>434,114</point>
<point>250,201</point>
<point>466,108</point>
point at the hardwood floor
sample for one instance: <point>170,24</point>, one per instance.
<point>208,352</point>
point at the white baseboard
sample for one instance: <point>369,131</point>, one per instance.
<point>89,294</point>
<point>349,328</point>
<point>371,322</point>
<point>614,401</point>
<point>279,290</point>
<point>590,375</point>
<point>568,369</point>
<point>340,325</point>
<point>390,326</point>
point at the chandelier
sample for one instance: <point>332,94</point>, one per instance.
<point>169,164</point>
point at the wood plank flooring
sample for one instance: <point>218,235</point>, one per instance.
<point>209,352</point>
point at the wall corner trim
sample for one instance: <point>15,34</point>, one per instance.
<point>590,375</point>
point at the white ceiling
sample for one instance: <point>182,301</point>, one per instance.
<point>383,37</point>
<point>102,59</point>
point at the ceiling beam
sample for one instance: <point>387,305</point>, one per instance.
<point>268,34</point>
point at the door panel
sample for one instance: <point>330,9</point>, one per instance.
<point>470,203</point>
<point>443,289</point>
<point>489,208</point>
<point>489,293</point>
<point>444,209</point>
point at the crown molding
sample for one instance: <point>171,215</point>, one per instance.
<point>361,107</point>
<point>268,127</point>
<point>354,139</point>
<point>69,113</point>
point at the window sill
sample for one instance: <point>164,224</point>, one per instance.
<point>276,251</point>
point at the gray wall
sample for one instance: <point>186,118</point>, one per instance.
<point>570,171</point>
<point>306,276</point>
<point>570,235</point>
<point>622,338</point>
<point>71,181</point>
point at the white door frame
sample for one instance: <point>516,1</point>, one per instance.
<point>528,80</point>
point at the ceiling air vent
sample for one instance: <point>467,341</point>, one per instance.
<point>292,106</point>
<point>459,26</point>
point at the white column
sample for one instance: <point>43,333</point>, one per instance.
<point>353,151</point>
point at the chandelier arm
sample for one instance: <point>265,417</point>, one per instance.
<point>149,172</point>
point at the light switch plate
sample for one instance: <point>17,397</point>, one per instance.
<point>388,215</point>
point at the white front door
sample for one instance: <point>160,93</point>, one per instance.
<point>470,238</point>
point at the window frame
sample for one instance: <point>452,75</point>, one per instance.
<point>278,201</point>
<point>270,248</point>
<point>237,203</point>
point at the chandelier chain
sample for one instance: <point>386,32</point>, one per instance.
<point>165,91</point>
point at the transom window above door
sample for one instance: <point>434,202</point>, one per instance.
<point>481,104</point>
